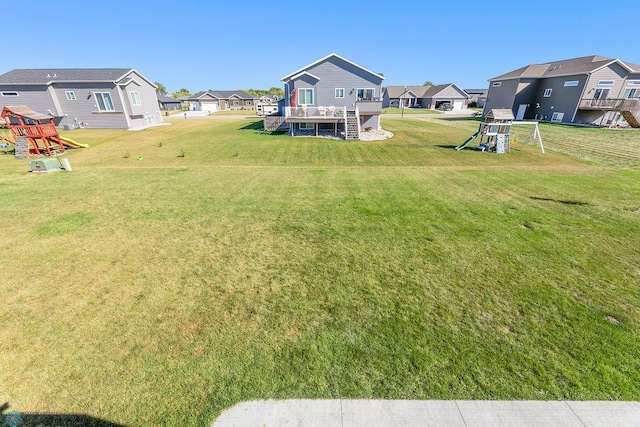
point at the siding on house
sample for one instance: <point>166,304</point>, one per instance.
<point>82,108</point>
<point>334,73</point>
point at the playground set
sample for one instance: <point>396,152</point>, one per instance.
<point>37,129</point>
<point>496,132</point>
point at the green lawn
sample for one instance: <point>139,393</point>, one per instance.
<point>409,111</point>
<point>228,265</point>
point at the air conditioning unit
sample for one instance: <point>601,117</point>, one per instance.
<point>44,165</point>
<point>68,127</point>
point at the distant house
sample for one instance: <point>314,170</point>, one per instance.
<point>589,90</point>
<point>168,103</point>
<point>333,94</point>
<point>479,96</point>
<point>117,98</point>
<point>221,100</point>
<point>431,97</point>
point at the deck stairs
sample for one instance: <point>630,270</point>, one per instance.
<point>274,123</point>
<point>352,125</point>
<point>632,119</point>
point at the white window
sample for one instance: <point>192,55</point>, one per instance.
<point>571,83</point>
<point>71,95</point>
<point>149,119</point>
<point>547,93</point>
<point>496,84</point>
<point>306,126</point>
<point>305,96</point>
<point>633,82</point>
<point>606,82</point>
<point>339,92</point>
<point>631,93</point>
<point>365,94</point>
<point>9,93</point>
<point>236,103</point>
<point>135,98</point>
<point>103,99</point>
<point>557,117</point>
<point>247,102</point>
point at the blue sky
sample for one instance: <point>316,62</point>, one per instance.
<point>242,44</point>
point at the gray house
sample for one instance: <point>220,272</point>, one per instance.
<point>431,97</point>
<point>221,100</point>
<point>589,90</point>
<point>117,98</point>
<point>333,94</point>
<point>166,103</point>
<point>479,96</point>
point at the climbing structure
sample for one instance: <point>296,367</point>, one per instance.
<point>37,127</point>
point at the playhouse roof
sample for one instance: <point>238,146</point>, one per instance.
<point>24,111</point>
<point>500,114</point>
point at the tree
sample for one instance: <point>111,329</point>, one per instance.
<point>182,92</point>
<point>428,83</point>
<point>160,88</point>
<point>276,91</point>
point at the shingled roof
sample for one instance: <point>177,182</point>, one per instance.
<point>566,67</point>
<point>44,76</point>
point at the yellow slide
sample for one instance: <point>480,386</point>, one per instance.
<point>72,144</point>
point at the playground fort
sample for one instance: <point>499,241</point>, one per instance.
<point>496,131</point>
<point>37,129</point>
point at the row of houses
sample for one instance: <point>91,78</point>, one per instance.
<point>337,95</point>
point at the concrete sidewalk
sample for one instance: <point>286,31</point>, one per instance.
<point>410,413</point>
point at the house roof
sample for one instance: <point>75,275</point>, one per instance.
<point>566,67</point>
<point>166,99</point>
<point>46,76</point>
<point>398,91</point>
<point>422,91</point>
<point>335,55</point>
<point>221,94</point>
<point>476,91</point>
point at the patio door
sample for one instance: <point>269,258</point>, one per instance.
<point>601,94</point>
<point>521,110</point>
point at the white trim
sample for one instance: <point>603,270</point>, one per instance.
<point>631,70</point>
<point>633,82</point>
<point>132,95</point>
<point>306,126</point>
<point>10,93</point>
<point>95,96</point>
<point>133,70</point>
<point>496,84</point>
<point>571,83</point>
<point>557,117</point>
<point>372,89</point>
<point>547,93</point>
<point>288,76</point>
<point>70,95</point>
<point>313,95</point>
<point>303,73</point>
<point>606,82</point>
<point>336,92</point>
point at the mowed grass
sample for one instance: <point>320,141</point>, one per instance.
<point>228,265</point>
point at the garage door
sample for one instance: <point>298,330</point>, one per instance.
<point>210,107</point>
<point>458,105</point>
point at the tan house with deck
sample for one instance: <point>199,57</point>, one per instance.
<point>591,90</point>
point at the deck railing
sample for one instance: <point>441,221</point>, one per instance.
<point>369,106</point>
<point>615,104</point>
<point>320,112</point>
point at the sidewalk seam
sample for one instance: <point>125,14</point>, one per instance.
<point>460,412</point>
<point>574,413</point>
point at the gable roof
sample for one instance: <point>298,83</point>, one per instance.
<point>221,94</point>
<point>422,91</point>
<point>47,76</point>
<point>331,55</point>
<point>166,99</point>
<point>566,67</point>
<point>398,91</point>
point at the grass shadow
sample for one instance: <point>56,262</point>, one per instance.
<point>257,125</point>
<point>16,419</point>
<point>564,202</point>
